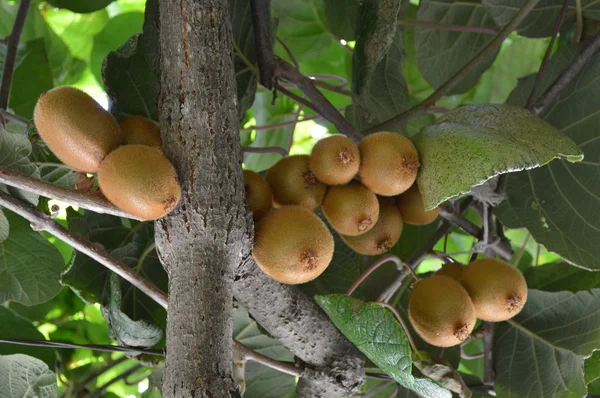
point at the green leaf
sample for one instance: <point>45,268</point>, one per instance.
<point>378,335</point>
<point>591,367</point>
<point>4,226</point>
<point>130,81</point>
<point>441,53</point>
<point>557,277</point>
<point>474,143</point>
<point>541,20</point>
<point>31,265</point>
<point>13,326</point>
<point>559,203</point>
<point>554,331</point>
<point>24,376</point>
<point>341,18</point>
<point>80,6</point>
<point>15,150</point>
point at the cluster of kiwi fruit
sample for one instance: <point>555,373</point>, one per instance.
<point>365,192</point>
<point>133,174</point>
<point>444,307</point>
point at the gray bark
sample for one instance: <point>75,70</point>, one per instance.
<point>208,234</point>
<point>334,367</point>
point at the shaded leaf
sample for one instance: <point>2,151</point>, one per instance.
<point>555,331</point>
<point>557,277</point>
<point>591,367</point>
<point>440,53</point>
<point>25,376</point>
<point>80,6</point>
<point>559,203</point>
<point>378,335</point>
<point>341,18</point>
<point>474,143</point>
<point>4,226</point>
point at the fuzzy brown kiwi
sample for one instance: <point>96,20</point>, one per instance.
<point>76,128</point>
<point>139,180</point>
<point>138,130</point>
<point>498,290</point>
<point>335,160</point>
<point>384,234</point>
<point>410,204</point>
<point>451,270</point>
<point>258,194</point>
<point>292,183</point>
<point>388,163</point>
<point>292,245</point>
<point>351,209</point>
<point>441,311</point>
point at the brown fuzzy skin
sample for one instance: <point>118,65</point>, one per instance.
<point>351,209</point>
<point>389,163</point>
<point>441,311</point>
<point>292,245</point>
<point>292,183</point>
<point>76,128</point>
<point>258,194</point>
<point>383,235</point>
<point>138,130</point>
<point>410,204</point>
<point>335,160</point>
<point>140,180</point>
<point>498,289</point>
<point>451,270</point>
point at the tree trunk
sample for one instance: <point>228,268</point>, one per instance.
<point>206,237</point>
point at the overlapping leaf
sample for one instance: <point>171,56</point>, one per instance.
<point>80,6</point>
<point>25,376</point>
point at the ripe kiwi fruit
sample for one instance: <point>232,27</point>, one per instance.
<point>384,234</point>
<point>441,311</point>
<point>138,130</point>
<point>498,289</point>
<point>451,270</point>
<point>410,204</point>
<point>139,180</point>
<point>76,128</point>
<point>293,183</point>
<point>351,209</point>
<point>258,194</point>
<point>335,160</point>
<point>292,245</point>
<point>388,163</point>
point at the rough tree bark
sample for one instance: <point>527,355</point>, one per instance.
<point>207,236</point>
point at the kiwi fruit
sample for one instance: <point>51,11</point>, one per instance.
<point>388,163</point>
<point>292,245</point>
<point>351,209</point>
<point>441,311</point>
<point>384,234</point>
<point>451,270</point>
<point>76,128</point>
<point>292,183</point>
<point>335,160</point>
<point>139,180</point>
<point>138,130</point>
<point>258,194</point>
<point>410,204</point>
<point>498,290</point>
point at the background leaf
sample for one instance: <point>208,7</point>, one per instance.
<point>560,277</point>
<point>24,376</point>
<point>341,18</point>
<point>15,150</point>
<point>80,6</point>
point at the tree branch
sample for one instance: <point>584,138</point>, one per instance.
<point>257,357</point>
<point>465,71</point>
<point>262,38</point>
<point>265,149</point>
<point>11,52</point>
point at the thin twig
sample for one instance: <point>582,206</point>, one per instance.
<point>538,77</point>
<point>283,124</point>
<point>93,347</point>
<point>464,72</point>
<point>401,321</point>
<point>287,72</point>
<point>469,357</point>
<point>566,77</point>
<point>11,52</point>
<point>292,133</point>
<point>262,40</point>
<point>488,349</point>
<point>280,366</point>
<point>289,52</point>
<point>98,393</point>
<point>390,257</point>
<point>43,222</point>
<point>448,27</point>
<point>14,118</point>
<point>376,390</point>
<point>579,29</point>
<point>265,149</point>
<point>522,250</point>
<point>84,199</point>
<point>77,388</point>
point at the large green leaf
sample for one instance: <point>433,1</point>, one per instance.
<point>559,203</point>
<point>541,20</point>
<point>591,367</point>
<point>25,376</point>
<point>80,6</point>
<point>441,53</point>
<point>378,335</point>
<point>559,277</point>
<point>474,143</point>
<point>30,267</point>
<point>341,18</point>
<point>540,352</point>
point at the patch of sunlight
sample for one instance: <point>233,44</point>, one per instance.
<point>143,385</point>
